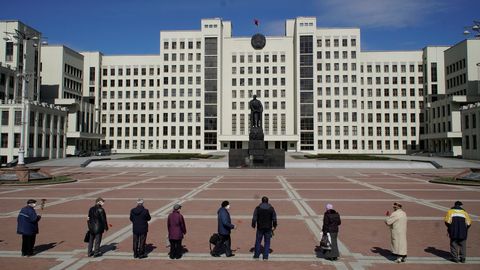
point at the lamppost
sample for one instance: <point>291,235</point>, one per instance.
<point>25,77</point>
<point>475,28</point>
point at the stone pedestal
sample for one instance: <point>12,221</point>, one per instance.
<point>256,156</point>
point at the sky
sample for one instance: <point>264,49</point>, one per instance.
<point>119,27</point>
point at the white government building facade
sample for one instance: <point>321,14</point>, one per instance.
<point>320,92</point>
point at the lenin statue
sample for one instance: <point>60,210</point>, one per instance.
<point>256,110</point>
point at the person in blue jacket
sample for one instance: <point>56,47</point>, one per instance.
<point>27,226</point>
<point>225,226</point>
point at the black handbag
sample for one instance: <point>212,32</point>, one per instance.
<point>325,242</point>
<point>86,239</point>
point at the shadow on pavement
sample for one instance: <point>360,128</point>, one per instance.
<point>44,247</point>
<point>438,252</point>
<point>109,247</point>
<point>384,252</point>
<point>149,248</point>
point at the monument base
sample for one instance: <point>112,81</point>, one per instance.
<point>268,159</point>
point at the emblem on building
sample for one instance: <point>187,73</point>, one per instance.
<point>258,41</point>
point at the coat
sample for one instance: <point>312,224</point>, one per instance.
<point>458,221</point>
<point>27,221</point>
<point>397,223</point>
<point>331,221</point>
<point>176,226</point>
<point>264,217</point>
<point>139,216</point>
<point>225,225</point>
<point>97,220</point>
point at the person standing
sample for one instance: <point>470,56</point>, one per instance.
<point>139,216</point>
<point>397,222</point>
<point>176,231</point>
<point>97,224</point>
<point>265,219</point>
<point>27,226</point>
<point>331,221</point>
<point>225,227</point>
<point>458,222</point>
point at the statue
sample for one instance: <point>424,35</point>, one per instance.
<point>256,110</point>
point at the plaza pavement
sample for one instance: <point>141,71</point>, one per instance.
<point>299,195</point>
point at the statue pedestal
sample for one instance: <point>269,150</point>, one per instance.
<point>256,156</point>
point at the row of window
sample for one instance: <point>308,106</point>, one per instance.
<point>371,118</point>
<point>460,79</point>
<point>470,121</point>
<point>474,142</point>
<point>181,68</point>
<point>258,93</point>
<point>378,104</point>
<point>258,58</point>
<point>386,80</point>
<point>142,118</point>
<point>73,71</point>
<point>181,45</point>
<point>336,42</point>
<point>143,94</point>
<point>336,66</point>
<point>56,140</point>
<point>380,145</point>
<point>258,70</point>
<point>143,131</point>
<point>49,121</point>
<point>369,92</point>
<point>118,71</point>
<point>386,131</point>
<point>155,144</point>
<point>258,81</point>
<point>393,67</point>
<point>454,67</point>
<point>181,57</point>
<point>336,55</point>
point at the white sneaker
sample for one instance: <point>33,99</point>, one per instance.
<point>398,260</point>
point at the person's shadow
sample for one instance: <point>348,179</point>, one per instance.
<point>438,252</point>
<point>44,247</point>
<point>149,248</point>
<point>383,252</point>
<point>107,248</point>
<point>319,252</point>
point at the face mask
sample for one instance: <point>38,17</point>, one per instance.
<point>227,207</point>
<point>101,203</point>
<point>33,205</point>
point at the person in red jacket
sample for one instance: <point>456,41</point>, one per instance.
<point>176,231</point>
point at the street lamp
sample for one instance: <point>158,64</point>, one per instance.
<point>25,77</point>
<point>475,28</point>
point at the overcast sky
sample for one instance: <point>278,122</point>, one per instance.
<point>133,26</point>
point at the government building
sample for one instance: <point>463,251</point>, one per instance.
<point>320,92</point>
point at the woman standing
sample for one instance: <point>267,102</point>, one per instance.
<point>397,222</point>
<point>176,231</point>
<point>331,221</point>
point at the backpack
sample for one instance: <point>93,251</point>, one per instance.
<point>214,239</point>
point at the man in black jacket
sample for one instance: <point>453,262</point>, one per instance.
<point>139,216</point>
<point>265,219</point>
<point>97,224</point>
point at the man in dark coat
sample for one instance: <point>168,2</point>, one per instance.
<point>27,226</point>
<point>176,231</point>
<point>331,221</point>
<point>225,227</point>
<point>265,219</point>
<point>458,222</point>
<point>139,216</point>
<point>97,224</point>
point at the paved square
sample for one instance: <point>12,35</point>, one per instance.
<point>362,196</point>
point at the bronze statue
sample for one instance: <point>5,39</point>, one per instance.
<point>256,110</point>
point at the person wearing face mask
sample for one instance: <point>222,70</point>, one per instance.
<point>27,226</point>
<point>225,227</point>
<point>97,224</point>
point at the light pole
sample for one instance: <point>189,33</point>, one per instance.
<point>475,28</point>
<point>25,77</point>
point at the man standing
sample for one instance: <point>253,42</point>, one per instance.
<point>225,227</point>
<point>265,219</point>
<point>458,222</point>
<point>397,222</point>
<point>27,226</point>
<point>176,231</point>
<point>97,224</point>
<point>139,216</point>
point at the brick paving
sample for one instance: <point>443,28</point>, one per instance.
<point>362,196</point>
